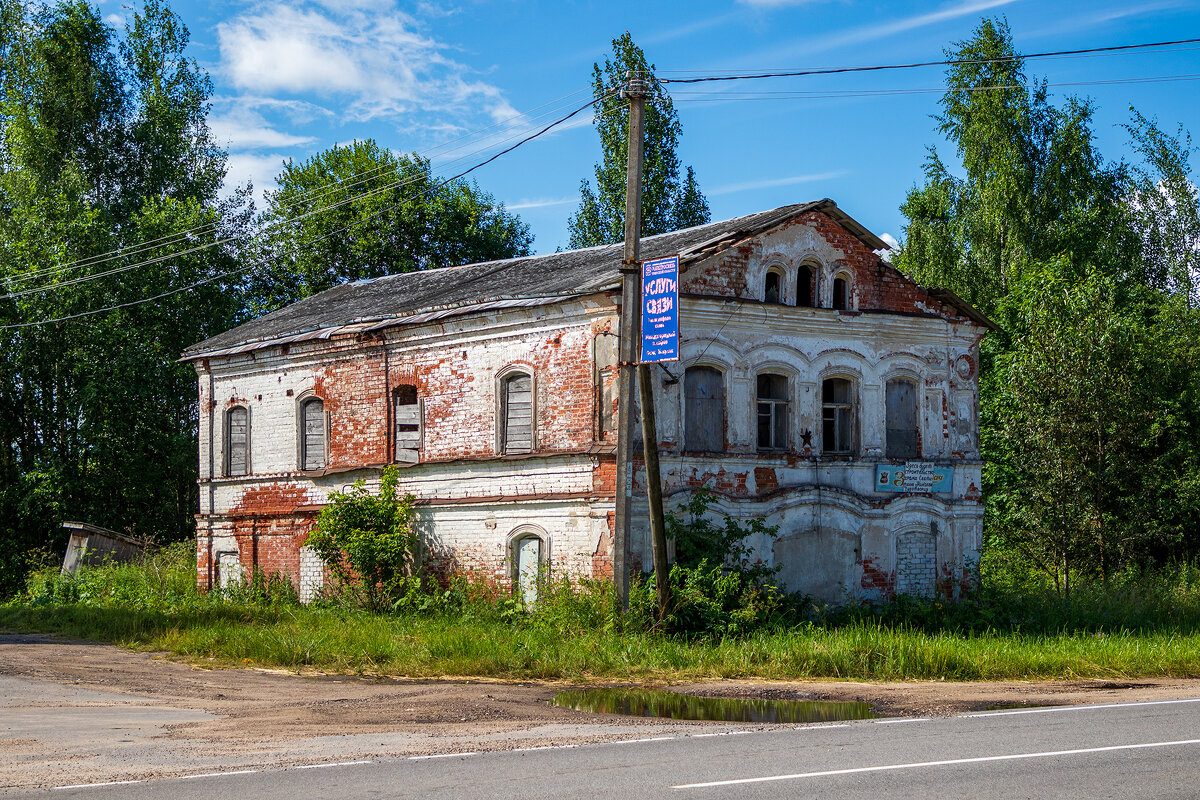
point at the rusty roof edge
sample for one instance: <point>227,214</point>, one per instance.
<point>969,311</point>
<point>382,323</point>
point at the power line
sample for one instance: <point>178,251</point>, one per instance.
<point>281,222</point>
<point>310,195</point>
<point>344,228</point>
<point>946,63</point>
<point>841,93</point>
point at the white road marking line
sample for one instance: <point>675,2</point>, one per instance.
<point>441,755</point>
<point>722,733</point>
<point>637,741</point>
<point>334,764</point>
<point>821,727</point>
<point>215,774</point>
<point>1083,708</point>
<point>898,721</point>
<point>949,762</point>
<point>94,785</point>
<point>543,747</point>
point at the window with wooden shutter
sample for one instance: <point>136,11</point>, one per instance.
<point>312,434</point>
<point>237,441</point>
<point>517,413</point>
<point>408,424</point>
<point>772,412</point>
<point>903,440</point>
<point>837,416</point>
<point>704,410</point>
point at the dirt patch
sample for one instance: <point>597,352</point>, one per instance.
<point>81,712</point>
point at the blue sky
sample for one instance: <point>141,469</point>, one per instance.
<point>451,80</point>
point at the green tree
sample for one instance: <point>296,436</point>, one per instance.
<point>368,541</point>
<point>1034,188</point>
<point>360,211</point>
<point>1089,390</point>
<point>104,147</point>
<point>668,203</point>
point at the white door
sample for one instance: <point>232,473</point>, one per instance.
<point>529,551</point>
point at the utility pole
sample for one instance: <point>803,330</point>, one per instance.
<point>629,353</point>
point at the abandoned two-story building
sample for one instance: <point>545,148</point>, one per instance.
<point>817,387</point>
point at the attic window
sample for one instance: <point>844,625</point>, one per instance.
<point>841,291</point>
<point>408,424</point>
<point>771,288</point>
<point>804,287</point>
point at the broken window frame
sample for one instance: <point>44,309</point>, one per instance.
<point>840,301</point>
<point>839,417</point>
<point>408,428</point>
<point>230,443</point>
<point>700,436</point>
<point>771,411</point>
<point>806,285</point>
<point>773,287</point>
<point>505,443</point>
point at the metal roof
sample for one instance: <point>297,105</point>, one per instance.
<point>533,280</point>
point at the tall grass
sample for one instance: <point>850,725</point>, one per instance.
<point>1142,625</point>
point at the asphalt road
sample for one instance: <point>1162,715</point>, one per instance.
<point>1118,751</point>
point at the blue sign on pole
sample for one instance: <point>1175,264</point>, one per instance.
<point>660,309</point>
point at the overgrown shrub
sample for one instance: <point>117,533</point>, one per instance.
<point>367,541</point>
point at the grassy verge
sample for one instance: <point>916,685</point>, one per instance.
<point>575,636</point>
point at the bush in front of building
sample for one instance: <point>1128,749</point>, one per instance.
<point>368,542</point>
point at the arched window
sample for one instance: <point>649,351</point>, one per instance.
<point>903,432</point>
<point>771,288</point>
<point>772,412</point>
<point>408,424</point>
<point>837,416</point>
<point>841,292</point>
<point>237,441</point>
<point>805,289</point>
<point>527,554</point>
<point>704,410</point>
<point>516,413</point>
<point>312,433</point>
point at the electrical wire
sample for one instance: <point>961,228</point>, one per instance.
<point>344,228</point>
<point>313,194</point>
<point>281,222</point>
<point>845,93</point>
<point>945,63</point>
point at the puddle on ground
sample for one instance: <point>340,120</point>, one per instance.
<point>661,703</point>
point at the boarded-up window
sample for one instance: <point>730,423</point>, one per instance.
<point>840,293</point>
<point>704,410</point>
<point>237,441</point>
<point>837,416</point>
<point>312,434</point>
<point>804,287</point>
<point>772,412</point>
<point>408,424</point>
<point>902,432</point>
<point>517,413</point>
<point>771,288</point>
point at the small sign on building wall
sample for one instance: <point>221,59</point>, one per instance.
<point>660,309</point>
<point>913,476</point>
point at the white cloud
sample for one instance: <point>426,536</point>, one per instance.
<point>243,128</point>
<point>877,31</point>
<point>540,202</point>
<point>893,245</point>
<point>771,183</point>
<point>260,170</point>
<point>368,54</point>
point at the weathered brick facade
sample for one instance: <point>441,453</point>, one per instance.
<point>478,506</point>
